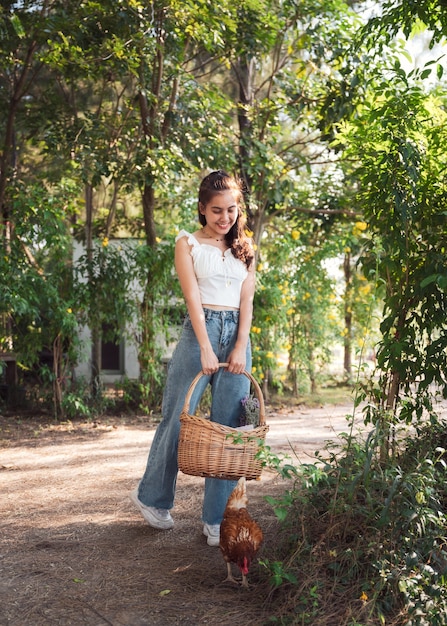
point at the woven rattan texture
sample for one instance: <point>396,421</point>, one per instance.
<point>212,450</point>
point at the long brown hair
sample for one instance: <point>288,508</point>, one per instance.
<point>236,237</point>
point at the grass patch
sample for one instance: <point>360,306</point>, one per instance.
<point>329,394</point>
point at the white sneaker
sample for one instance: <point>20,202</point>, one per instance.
<point>157,518</point>
<point>212,532</point>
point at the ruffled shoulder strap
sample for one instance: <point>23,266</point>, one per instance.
<point>191,239</point>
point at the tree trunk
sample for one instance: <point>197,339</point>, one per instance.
<point>149,215</point>
<point>148,354</point>
<point>8,164</point>
<point>244,71</point>
<point>347,360</point>
<point>7,154</point>
<point>58,371</point>
<point>95,366</point>
<point>311,373</point>
<point>150,366</point>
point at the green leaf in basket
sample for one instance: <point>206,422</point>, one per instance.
<point>235,438</point>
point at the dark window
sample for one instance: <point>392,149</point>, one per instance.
<point>112,350</point>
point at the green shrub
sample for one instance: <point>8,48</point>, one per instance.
<point>364,543</point>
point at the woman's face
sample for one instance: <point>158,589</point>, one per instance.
<point>221,212</point>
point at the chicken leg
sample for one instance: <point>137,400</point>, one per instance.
<point>230,578</point>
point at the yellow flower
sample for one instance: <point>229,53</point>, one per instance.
<point>259,268</point>
<point>420,497</point>
<point>306,296</point>
<point>105,242</point>
<point>363,597</point>
<point>249,233</point>
<point>295,234</point>
<point>333,553</point>
<point>269,355</point>
<point>289,311</point>
<point>157,239</point>
<point>365,289</point>
<point>69,310</point>
<point>359,227</point>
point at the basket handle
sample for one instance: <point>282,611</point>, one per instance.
<point>255,384</point>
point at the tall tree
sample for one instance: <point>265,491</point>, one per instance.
<point>22,30</point>
<point>401,160</point>
<point>283,56</point>
<point>128,75</point>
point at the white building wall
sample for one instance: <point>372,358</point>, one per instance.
<point>131,367</point>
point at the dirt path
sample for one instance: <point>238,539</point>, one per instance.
<point>74,551</point>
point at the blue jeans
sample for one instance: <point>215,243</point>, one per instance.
<point>157,486</point>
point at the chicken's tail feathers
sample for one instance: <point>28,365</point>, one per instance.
<point>238,497</point>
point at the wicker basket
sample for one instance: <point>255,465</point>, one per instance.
<point>212,450</point>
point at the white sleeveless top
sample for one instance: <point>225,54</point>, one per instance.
<point>219,275</point>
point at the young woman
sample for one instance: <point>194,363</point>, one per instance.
<point>215,266</point>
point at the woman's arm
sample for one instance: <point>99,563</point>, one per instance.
<point>188,282</point>
<point>238,357</point>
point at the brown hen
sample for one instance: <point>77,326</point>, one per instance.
<point>240,535</point>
